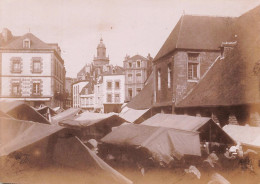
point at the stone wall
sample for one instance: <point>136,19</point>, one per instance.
<point>180,84</point>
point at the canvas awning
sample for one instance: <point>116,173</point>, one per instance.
<point>163,143</point>
<point>48,144</point>
<point>131,115</point>
<point>246,135</point>
<point>93,125</point>
<point>88,119</point>
<point>45,109</point>
<point>67,114</point>
<point>4,115</point>
<point>20,110</point>
<point>16,134</point>
<point>182,122</point>
<point>204,125</point>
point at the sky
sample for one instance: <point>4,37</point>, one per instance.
<point>126,26</point>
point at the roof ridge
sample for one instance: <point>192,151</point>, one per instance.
<point>182,18</point>
<point>216,16</point>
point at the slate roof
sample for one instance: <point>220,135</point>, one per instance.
<point>236,79</point>
<point>198,32</point>
<point>137,57</point>
<point>36,43</point>
<point>117,71</point>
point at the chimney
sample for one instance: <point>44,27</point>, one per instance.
<point>127,57</point>
<point>7,34</point>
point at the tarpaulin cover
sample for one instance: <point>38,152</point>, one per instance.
<point>246,135</point>
<point>46,144</point>
<point>46,109</point>
<point>4,115</point>
<point>181,122</point>
<point>131,115</point>
<point>20,110</point>
<point>67,114</point>
<point>163,143</point>
<point>16,134</point>
<point>88,118</point>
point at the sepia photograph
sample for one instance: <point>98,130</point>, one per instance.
<point>130,91</point>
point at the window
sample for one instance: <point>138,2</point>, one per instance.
<point>109,85</point>
<point>130,65</point>
<point>138,90</point>
<point>26,43</point>
<point>138,77</point>
<point>130,77</point>
<point>193,71</point>
<point>159,79</point>
<point>117,85</point>
<point>36,66</point>
<point>138,64</point>
<point>169,75</point>
<point>16,88</point>
<point>16,65</point>
<point>36,88</point>
<point>109,98</point>
<point>117,98</point>
<point>193,66</point>
<point>130,93</point>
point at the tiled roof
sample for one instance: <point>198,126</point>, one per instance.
<point>234,80</point>
<point>198,32</point>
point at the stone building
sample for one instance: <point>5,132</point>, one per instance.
<point>230,91</point>
<point>187,55</point>
<point>92,71</point>
<point>31,70</point>
<point>137,69</point>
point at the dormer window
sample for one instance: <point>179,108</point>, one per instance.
<point>26,43</point>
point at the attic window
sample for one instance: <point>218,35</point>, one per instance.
<point>26,43</point>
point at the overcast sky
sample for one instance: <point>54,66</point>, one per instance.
<point>127,26</point>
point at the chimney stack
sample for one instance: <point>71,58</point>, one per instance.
<point>7,34</point>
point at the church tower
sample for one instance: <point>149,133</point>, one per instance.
<point>101,58</point>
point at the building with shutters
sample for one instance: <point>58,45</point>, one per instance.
<point>113,89</point>
<point>31,70</point>
<point>137,69</point>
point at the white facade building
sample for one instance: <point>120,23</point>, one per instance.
<point>76,90</point>
<point>31,71</point>
<point>113,90</point>
<point>87,101</point>
<point>98,97</point>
